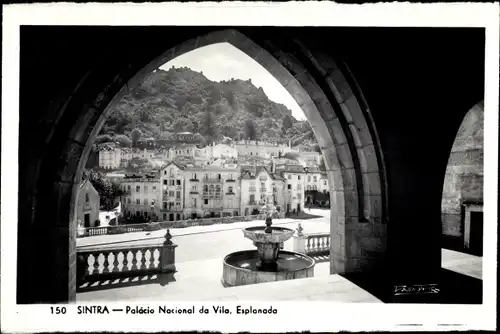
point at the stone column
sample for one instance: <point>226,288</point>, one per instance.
<point>167,255</point>
<point>299,240</point>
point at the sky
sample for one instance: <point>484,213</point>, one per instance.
<point>222,61</point>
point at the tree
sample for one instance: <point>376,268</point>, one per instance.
<point>210,131</point>
<point>108,190</point>
<point>123,140</point>
<point>136,135</point>
<point>250,132</point>
<point>287,122</point>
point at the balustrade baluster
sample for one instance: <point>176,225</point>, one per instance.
<point>134,260</point>
<point>152,259</point>
<point>105,263</point>
<point>96,263</point>
<point>125,261</point>
<point>322,243</point>
<point>115,262</point>
<point>143,259</point>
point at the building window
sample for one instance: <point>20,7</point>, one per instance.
<point>87,198</point>
<point>137,189</point>
<point>230,203</point>
<point>206,176</point>
<point>252,198</point>
<point>298,177</point>
<point>205,189</point>
<point>193,188</point>
<point>178,204</point>
<point>324,183</point>
<point>289,186</point>
<point>129,201</point>
<point>171,193</point>
<point>230,189</point>
<point>178,195</point>
<point>193,202</point>
<point>218,176</point>
<point>289,177</point>
<point>165,172</point>
<point>129,188</point>
<point>172,182</point>
<point>308,187</point>
<point>178,182</point>
<point>205,201</point>
<point>165,182</point>
<point>164,205</point>
<point>230,176</point>
<point>194,176</point>
<point>298,186</point>
<point>164,216</point>
<point>145,201</point>
<point>309,178</point>
<point>138,202</point>
<point>315,178</point>
<point>154,187</point>
<point>315,188</point>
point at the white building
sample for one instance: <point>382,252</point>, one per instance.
<point>212,191</point>
<point>109,156</point>
<point>294,191</point>
<point>223,151</point>
<point>259,185</point>
<point>172,192</point>
<point>262,149</point>
<point>142,196</point>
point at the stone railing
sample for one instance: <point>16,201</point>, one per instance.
<point>98,263</point>
<point>312,243</point>
<point>154,226</point>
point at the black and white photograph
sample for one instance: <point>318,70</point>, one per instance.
<point>254,171</point>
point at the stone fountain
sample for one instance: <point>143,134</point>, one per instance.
<point>268,262</point>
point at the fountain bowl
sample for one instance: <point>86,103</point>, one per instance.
<point>242,268</point>
<point>277,235</point>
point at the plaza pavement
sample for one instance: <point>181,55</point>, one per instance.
<point>199,268</point>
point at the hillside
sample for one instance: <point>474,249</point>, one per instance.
<point>180,100</point>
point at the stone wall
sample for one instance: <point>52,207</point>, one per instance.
<point>464,176</point>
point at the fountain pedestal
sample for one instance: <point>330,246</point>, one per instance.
<point>267,263</point>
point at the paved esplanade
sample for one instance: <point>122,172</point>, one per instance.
<point>199,267</point>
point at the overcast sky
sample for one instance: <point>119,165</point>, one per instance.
<point>222,61</point>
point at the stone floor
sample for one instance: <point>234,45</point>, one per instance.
<point>199,268</point>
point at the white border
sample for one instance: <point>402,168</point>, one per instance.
<point>292,316</point>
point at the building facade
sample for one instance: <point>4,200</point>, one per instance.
<point>88,203</point>
<point>172,192</point>
<point>262,149</point>
<point>142,196</point>
<point>212,191</point>
<point>109,156</point>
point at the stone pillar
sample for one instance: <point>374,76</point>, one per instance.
<point>299,241</point>
<point>167,256</point>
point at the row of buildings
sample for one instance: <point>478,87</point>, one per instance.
<point>112,156</point>
<point>178,192</point>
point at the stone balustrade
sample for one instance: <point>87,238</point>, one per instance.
<point>97,263</point>
<point>311,243</point>
<point>154,226</point>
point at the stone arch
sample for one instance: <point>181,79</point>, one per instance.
<point>323,88</point>
<point>463,182</point>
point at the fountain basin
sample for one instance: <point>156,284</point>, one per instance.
<point>277,235</point>
<point>243,268</point>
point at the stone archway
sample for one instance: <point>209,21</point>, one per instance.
<point>323,88</point>
<point>463,183</point>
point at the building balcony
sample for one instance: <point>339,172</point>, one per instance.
<point>194,192</point>
<point>230,180</point>
<point>194,180</point>
<point>212,180</point>
<point>263,190</point>
<point>230,193</point>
